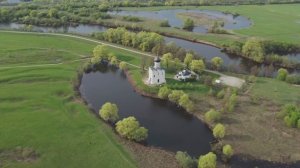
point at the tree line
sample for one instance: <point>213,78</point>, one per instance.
<point>265,51</point>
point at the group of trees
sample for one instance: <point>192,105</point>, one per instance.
<point>128,127</point>
<point>291,115</point>
<point>144,41</point>
<point>270,52</point>
<point>208,160</point>
<point>57,15</point>
<point>176,96</point>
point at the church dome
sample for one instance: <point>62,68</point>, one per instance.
<point>156,59</point>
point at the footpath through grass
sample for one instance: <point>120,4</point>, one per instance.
<point>42,124</point>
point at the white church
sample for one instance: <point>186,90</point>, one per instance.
<point>156,73</point>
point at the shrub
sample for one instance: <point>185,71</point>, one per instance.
<point>130,129</point>
<point>291,115</point>
<point>293,79</point>
<point>109,112</point>
<point>164,92</point>
<point>208,161</point>
<point>221,94</point>
<point>219,131</point>
<point>231,103</point>
<point>212,115</point>
<point>164,23</point>
<point>184,160</point>
<point>227,151</point>
<point>282,74</point>
<point>123,65</point>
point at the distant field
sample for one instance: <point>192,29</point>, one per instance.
<point>278,22</point>
<point>42,123</point>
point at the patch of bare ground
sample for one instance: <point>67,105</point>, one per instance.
<point>253,129</point>
<point>150,157</point>
<point>19,154</point>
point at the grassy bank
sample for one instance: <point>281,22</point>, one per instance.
<point>43,123</point>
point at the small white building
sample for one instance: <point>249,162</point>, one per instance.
<point>183,75</point>
<point>156,73</point>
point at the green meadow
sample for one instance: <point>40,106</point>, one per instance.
<point>276,22</point>
<point>42,121</point>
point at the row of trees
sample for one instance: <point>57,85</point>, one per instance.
<point>208,160</point>
<point>128,127</point>
<point>176,96</point>
<point>269,52</point>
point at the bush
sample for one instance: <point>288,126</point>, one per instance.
<point>164,23</point>
<point>291,115</point>
<point>164,92</point>
<point>221,94</point>
<point>130,129</point>
<point>184,160</point>
<point>208,161</point>
<point>123,65</point>
<point>282,74</point>
<point>231,103</point>
<point>188,24</point>
<point>109,112</point>
<point>212,115</point>
<point>219,131</point>
<point>227,151</point>
<point>293,79</point>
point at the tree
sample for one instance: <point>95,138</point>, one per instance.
<point>177,63</point>
<point>123,65</point>
<point>197,66</point>
<point>175,95</point>
<point>227,151</point>
<point>208,161</point>
<point>188,24</point>
<point>217,62</point>
<point>185,102</point>
<point>109,112</point>
<point>114,61</point>
<point>184,160</point>
<point>130,128</point>
<point>282,74</point>
<point>231,102</point>
<point>164,92</point>
<point>188,59</point>
<point>166,59</point>
<point>254,50</point>
<point>100,53</point>
<point>212,115</point>
<point>219,131</point>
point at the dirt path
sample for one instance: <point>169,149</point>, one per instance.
<point>225,79</point>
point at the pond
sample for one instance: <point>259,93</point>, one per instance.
<point>231,22</point>
<point>231,63</point>
<point>169,127</point>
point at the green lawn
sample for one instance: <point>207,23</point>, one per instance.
<point>39,109</point>
<point>277,91</point>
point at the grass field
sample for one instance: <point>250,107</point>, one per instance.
<point>43,124</point>
<point>277,22</point>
